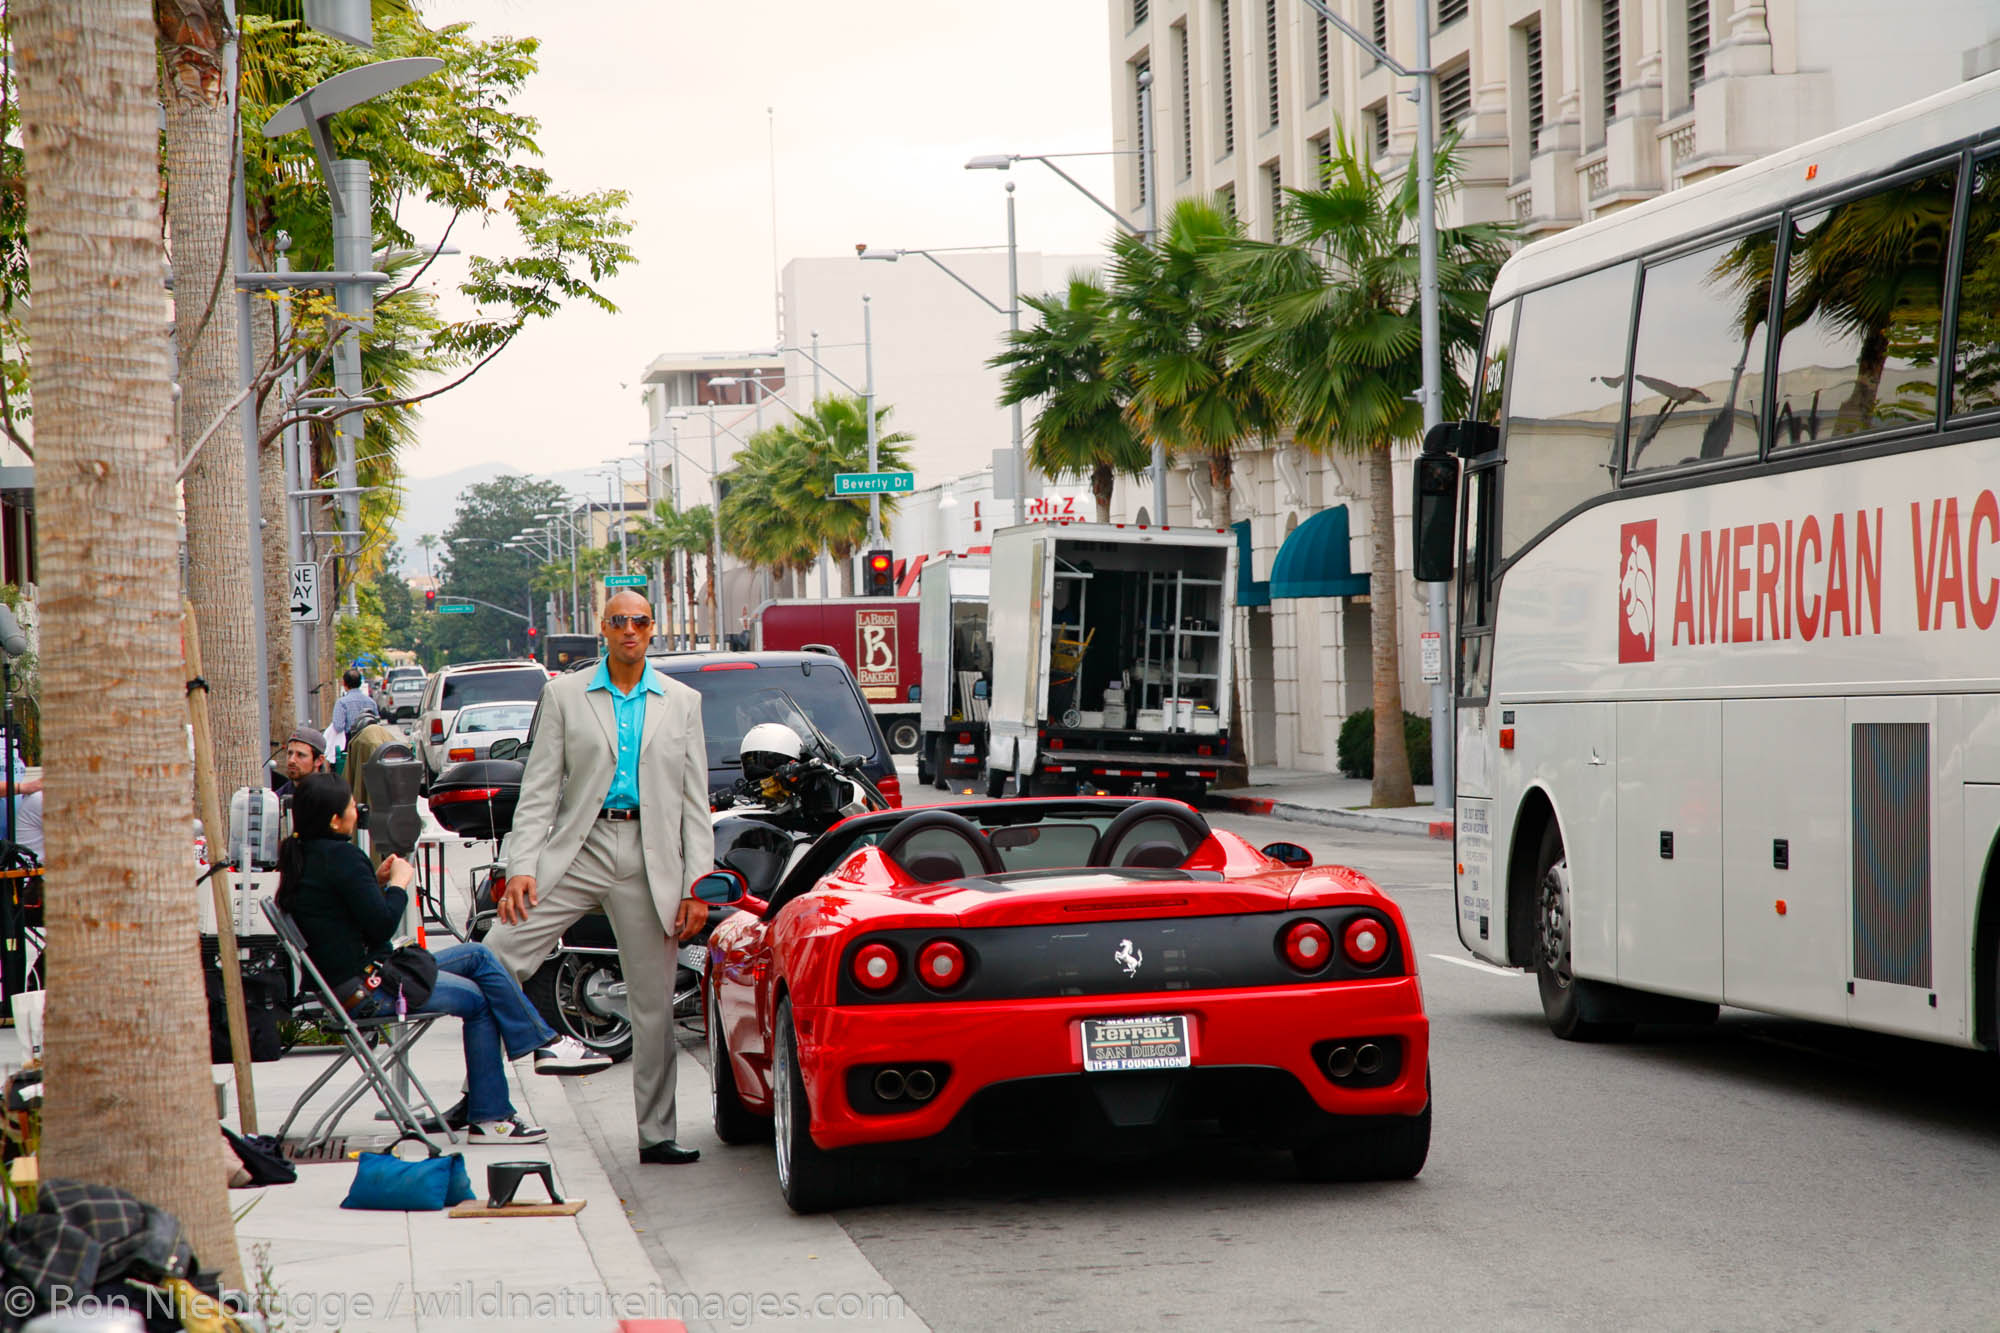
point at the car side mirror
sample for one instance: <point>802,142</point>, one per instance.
<point>1289,852</point>
<point>982,689</point>
<point>507,747</point>
<point>721,888</point>
<point>1434,517</point>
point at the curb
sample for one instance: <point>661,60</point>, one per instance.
<point>1347,819</point>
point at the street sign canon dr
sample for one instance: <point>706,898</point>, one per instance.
<point>624,580</point>
<point>305,593</point>
<point>874,483</point>
<point>455,608</point>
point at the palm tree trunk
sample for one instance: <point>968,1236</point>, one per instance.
<point>714,625</point>
<point>129,1101</point>
<point>1101,480</point>
<point>201,145</point>
<point>277,570</point>
<point>687,560</point>
<point>1392,753</point>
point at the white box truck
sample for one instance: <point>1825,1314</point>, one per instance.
<point>1112,658</point>
<point>958,668</point>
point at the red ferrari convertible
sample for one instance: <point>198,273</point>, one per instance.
<point>1038,974</point>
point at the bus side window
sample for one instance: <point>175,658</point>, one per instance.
<point>1864,303</point>
<point>1475,575</point>
<point>1975,365</point>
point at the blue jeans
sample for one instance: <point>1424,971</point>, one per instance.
<point>474,986</point>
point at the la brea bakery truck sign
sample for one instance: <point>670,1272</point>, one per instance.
<point>1929,565</point>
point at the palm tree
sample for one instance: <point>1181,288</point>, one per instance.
<point>1081,428</point>
<point>1174,319</point>
<point>692,532</point>
<point>1337,342</point>
<point>758,527</point>
<point>126,1045</point>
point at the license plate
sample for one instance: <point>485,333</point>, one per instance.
<point>961,751</point>
<point>1159,1042</point>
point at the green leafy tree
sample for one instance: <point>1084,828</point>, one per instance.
<point>1175,318</point>
<point>1336,342</point>
<point>479,565</point>
<point>1082,428</point>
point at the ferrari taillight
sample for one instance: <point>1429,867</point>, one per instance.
<point>1366,941</point>
<point>1307,945</point>
<point>876,967</point>
<point>941,964</point>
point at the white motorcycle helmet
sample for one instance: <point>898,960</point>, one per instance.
<point>768,747</point>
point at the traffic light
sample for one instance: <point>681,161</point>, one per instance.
<point>430,599</point>
<point>879,571</point>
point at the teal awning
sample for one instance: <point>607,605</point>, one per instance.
<point>1313,562</point>
<point>1249,592</point>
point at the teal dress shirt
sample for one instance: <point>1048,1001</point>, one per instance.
<point>628,714</point>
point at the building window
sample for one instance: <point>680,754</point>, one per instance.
<point>1140,11</point>
<point>1613,59</point>
<point>1225,199</point>
<point>1271,63</point>
<point>1139,71</point>
<point>1322,151</point>
<point>1378,22</point>
<point>1228,82</point>
<point>1450,11</point>
<point>1454,96</point>
<point>1274,186</point>
<point>1325,84</point>
<point>1187,101</point>
<point>1697,43</point>
<point>1532,35</point>
<point>1377,117</point>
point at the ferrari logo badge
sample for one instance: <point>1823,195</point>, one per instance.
<point>1128,958</point>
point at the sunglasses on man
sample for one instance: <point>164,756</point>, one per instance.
<point>621,620</point>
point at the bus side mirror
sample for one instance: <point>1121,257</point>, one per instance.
<point>1463,439</point>
<point>1434,516</point>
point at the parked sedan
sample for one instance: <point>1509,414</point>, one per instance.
<point>1011,975</point>
<point>477,726</point>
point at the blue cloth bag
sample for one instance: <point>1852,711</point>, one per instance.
<point>390,1184</point>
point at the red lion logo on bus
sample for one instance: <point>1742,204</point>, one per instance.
<point>1638,558</point>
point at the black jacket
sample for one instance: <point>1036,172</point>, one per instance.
<point>346,917</point>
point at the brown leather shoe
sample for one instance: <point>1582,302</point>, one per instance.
<point>667,1153</point>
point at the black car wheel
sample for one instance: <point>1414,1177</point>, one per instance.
<point>940,764</point>
<point>1388,1148</point>
<point>813,1179</point>
<point>734,1122</point>
<point>1566,998</point>
<point>571,992</point>
<point>904,735</point>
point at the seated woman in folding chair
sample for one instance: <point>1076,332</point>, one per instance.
<point>349,914</point>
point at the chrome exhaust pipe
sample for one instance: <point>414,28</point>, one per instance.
<point>1368,1059</point>
<point>1340,1061</point>
<point>921,1084</point>
<point>889,1085</point>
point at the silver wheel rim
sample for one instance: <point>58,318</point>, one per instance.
<point>781,1106</point>
<point>1554,923</point>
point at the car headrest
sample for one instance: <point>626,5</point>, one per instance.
<point>936,867</point>
<point>1156,856</point>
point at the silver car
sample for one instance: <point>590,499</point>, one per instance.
<point>477,726</point>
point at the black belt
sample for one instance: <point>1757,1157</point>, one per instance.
<point>608,813</point>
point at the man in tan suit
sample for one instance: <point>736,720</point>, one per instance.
<point>613,815</point>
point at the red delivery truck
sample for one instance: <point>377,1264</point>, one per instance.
<point>875,636</point>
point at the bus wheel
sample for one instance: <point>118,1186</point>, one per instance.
<point>904,735</point>
<point>996,783</point>
<point>924,773</point>
<point>1565,999</point>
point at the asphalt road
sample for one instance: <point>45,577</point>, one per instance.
<point>1756,1174</point>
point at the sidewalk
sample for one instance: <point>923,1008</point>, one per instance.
<point>1307,796</point>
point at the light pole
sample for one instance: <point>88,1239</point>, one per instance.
<point>1150,183</point>
<point>569,527</point>
<point>1442,783</point>
<point>1016,462</point>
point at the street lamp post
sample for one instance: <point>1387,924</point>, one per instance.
<point>714,518</point>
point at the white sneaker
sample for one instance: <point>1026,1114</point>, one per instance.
<point>567,1055</point>
<point>515,1130</point>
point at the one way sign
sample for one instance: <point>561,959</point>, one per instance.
<point>305,593</point>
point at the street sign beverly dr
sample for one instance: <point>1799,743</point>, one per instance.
<point>874,483</point>
<point>624,580</point>
<point>455,608</point>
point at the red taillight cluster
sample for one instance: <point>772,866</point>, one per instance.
<point>941,965</point>
<point>892,791</point>
<point>1307,945</point>
<point>437,728</point>
<point>1366,941</point>
<point>876,967</point>
<point>459,756</point>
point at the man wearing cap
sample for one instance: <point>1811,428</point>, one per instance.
<point>304,753</point>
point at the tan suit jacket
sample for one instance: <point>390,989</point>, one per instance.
<point>569,773</point>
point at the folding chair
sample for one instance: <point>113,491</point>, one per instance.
<point>380,1067</point>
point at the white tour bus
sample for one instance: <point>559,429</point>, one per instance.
<point>1727,560</point>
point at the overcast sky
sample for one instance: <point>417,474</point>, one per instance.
<point>877,105</point>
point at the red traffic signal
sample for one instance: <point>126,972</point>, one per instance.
<point>879,574</point>
<point>430,599</point>
<point>531,631</point>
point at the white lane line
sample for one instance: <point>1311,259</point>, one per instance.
<point>1478,966</point>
